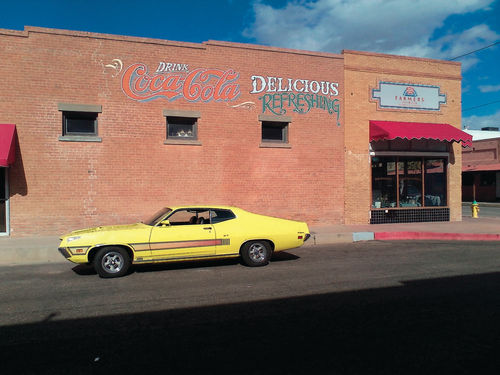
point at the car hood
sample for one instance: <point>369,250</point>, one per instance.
<point>105,228</point>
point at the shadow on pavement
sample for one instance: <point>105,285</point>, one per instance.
<point>436,326</point>
<point>86,270</point>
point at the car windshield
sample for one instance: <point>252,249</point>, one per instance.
<point>155,219</point>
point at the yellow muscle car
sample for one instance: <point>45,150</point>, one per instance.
<point>184,233</point>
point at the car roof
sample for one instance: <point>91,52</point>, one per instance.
<point>204,206</point>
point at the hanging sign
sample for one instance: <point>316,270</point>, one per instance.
<point>408,96</point>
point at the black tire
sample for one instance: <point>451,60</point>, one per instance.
<point>256,253</point>
<point>112,262</point>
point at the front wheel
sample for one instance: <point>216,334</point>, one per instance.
<point>256,253</point>
<point>112,262</point>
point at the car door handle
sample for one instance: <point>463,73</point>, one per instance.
<point>207,228</point>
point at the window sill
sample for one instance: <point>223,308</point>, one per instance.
<point>79,138</point>
<point>275,145</point>
<point>185,142</point>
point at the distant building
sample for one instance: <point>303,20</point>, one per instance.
<point>481,166</point>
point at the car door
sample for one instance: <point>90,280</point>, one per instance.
<point>226,231</point>
<point>186,235</point>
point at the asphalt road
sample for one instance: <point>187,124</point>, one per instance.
<point>363,308</point>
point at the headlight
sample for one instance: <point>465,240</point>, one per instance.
<point>73,238</point>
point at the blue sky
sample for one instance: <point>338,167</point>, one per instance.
<point>441,29</point>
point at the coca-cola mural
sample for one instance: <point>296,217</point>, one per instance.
<point>278,95</point>
<point>173,81</point>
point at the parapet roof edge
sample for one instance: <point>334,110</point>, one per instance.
<point>134,39</point>
<point>378,54</point>
<point>271,49</point>
<point>88,34</point>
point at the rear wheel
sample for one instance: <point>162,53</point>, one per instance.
<point>112,262</point>
<point>256,253</point>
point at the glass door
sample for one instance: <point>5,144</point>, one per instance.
<point>4,203</point>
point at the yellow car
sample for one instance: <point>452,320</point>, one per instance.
<point>184,233</point>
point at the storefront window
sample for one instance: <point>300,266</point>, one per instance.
<point>410,182</point>
<point>3,201</point>
<point>420,182</point>
<point>435,182</point>
<point>384,182</point>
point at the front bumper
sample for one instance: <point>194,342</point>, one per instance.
<point>64,251</point>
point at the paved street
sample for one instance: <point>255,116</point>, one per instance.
<point>376,307</point>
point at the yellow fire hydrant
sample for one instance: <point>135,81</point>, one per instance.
<point>475,209</point>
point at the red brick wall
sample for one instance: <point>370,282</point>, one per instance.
<point>485,151</point>
<point>58,186</point>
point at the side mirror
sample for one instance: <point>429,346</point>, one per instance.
<point>165,223</point>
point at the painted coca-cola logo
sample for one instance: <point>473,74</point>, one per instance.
<point>195,85</point>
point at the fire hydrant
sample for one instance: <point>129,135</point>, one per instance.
<point>475,209</point>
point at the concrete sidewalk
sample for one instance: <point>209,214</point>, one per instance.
<point>480,229</point>
<point>43,250</point>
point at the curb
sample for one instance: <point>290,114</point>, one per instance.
<point>387,236</point>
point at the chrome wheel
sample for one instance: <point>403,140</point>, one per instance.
<point>112,262</point>
<point>257,252</point>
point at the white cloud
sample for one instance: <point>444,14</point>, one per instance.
<point>478,122</point>
<point>403,27</point>
<point>489,88</point>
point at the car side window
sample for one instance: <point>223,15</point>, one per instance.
<point>189,217</point>
<point>218,216</point>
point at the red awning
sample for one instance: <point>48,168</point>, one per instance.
<point>481,167</point>
<point>389,130</point>
<point>7,144</point>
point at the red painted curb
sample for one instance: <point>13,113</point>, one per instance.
<point>436,236</point>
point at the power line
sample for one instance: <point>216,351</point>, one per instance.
<point>479,106</point>
<point>477,50</point>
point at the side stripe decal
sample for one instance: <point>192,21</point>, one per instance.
<point>178,244</point>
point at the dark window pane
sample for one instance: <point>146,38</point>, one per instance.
<point>274,131</point>
<point>487,178</point>
<point>383,182</point>
<point>3,197</point>
<point>435,182</point>
<point>80,122</point>
<point>3,193</point>
<point>410,182</point>
<point>181,127</point>
<point>3,218</point>
<point>467,179</point>
<point>218,216</point>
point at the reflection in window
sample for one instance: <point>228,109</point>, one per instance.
<point>420,182</point>
<point>410,182</point>
<point>435,182</point>
<point>383,182</point>
<point>182,128</point>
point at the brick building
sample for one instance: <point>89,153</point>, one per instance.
<point>100,129</point>
<point>481,167</point>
